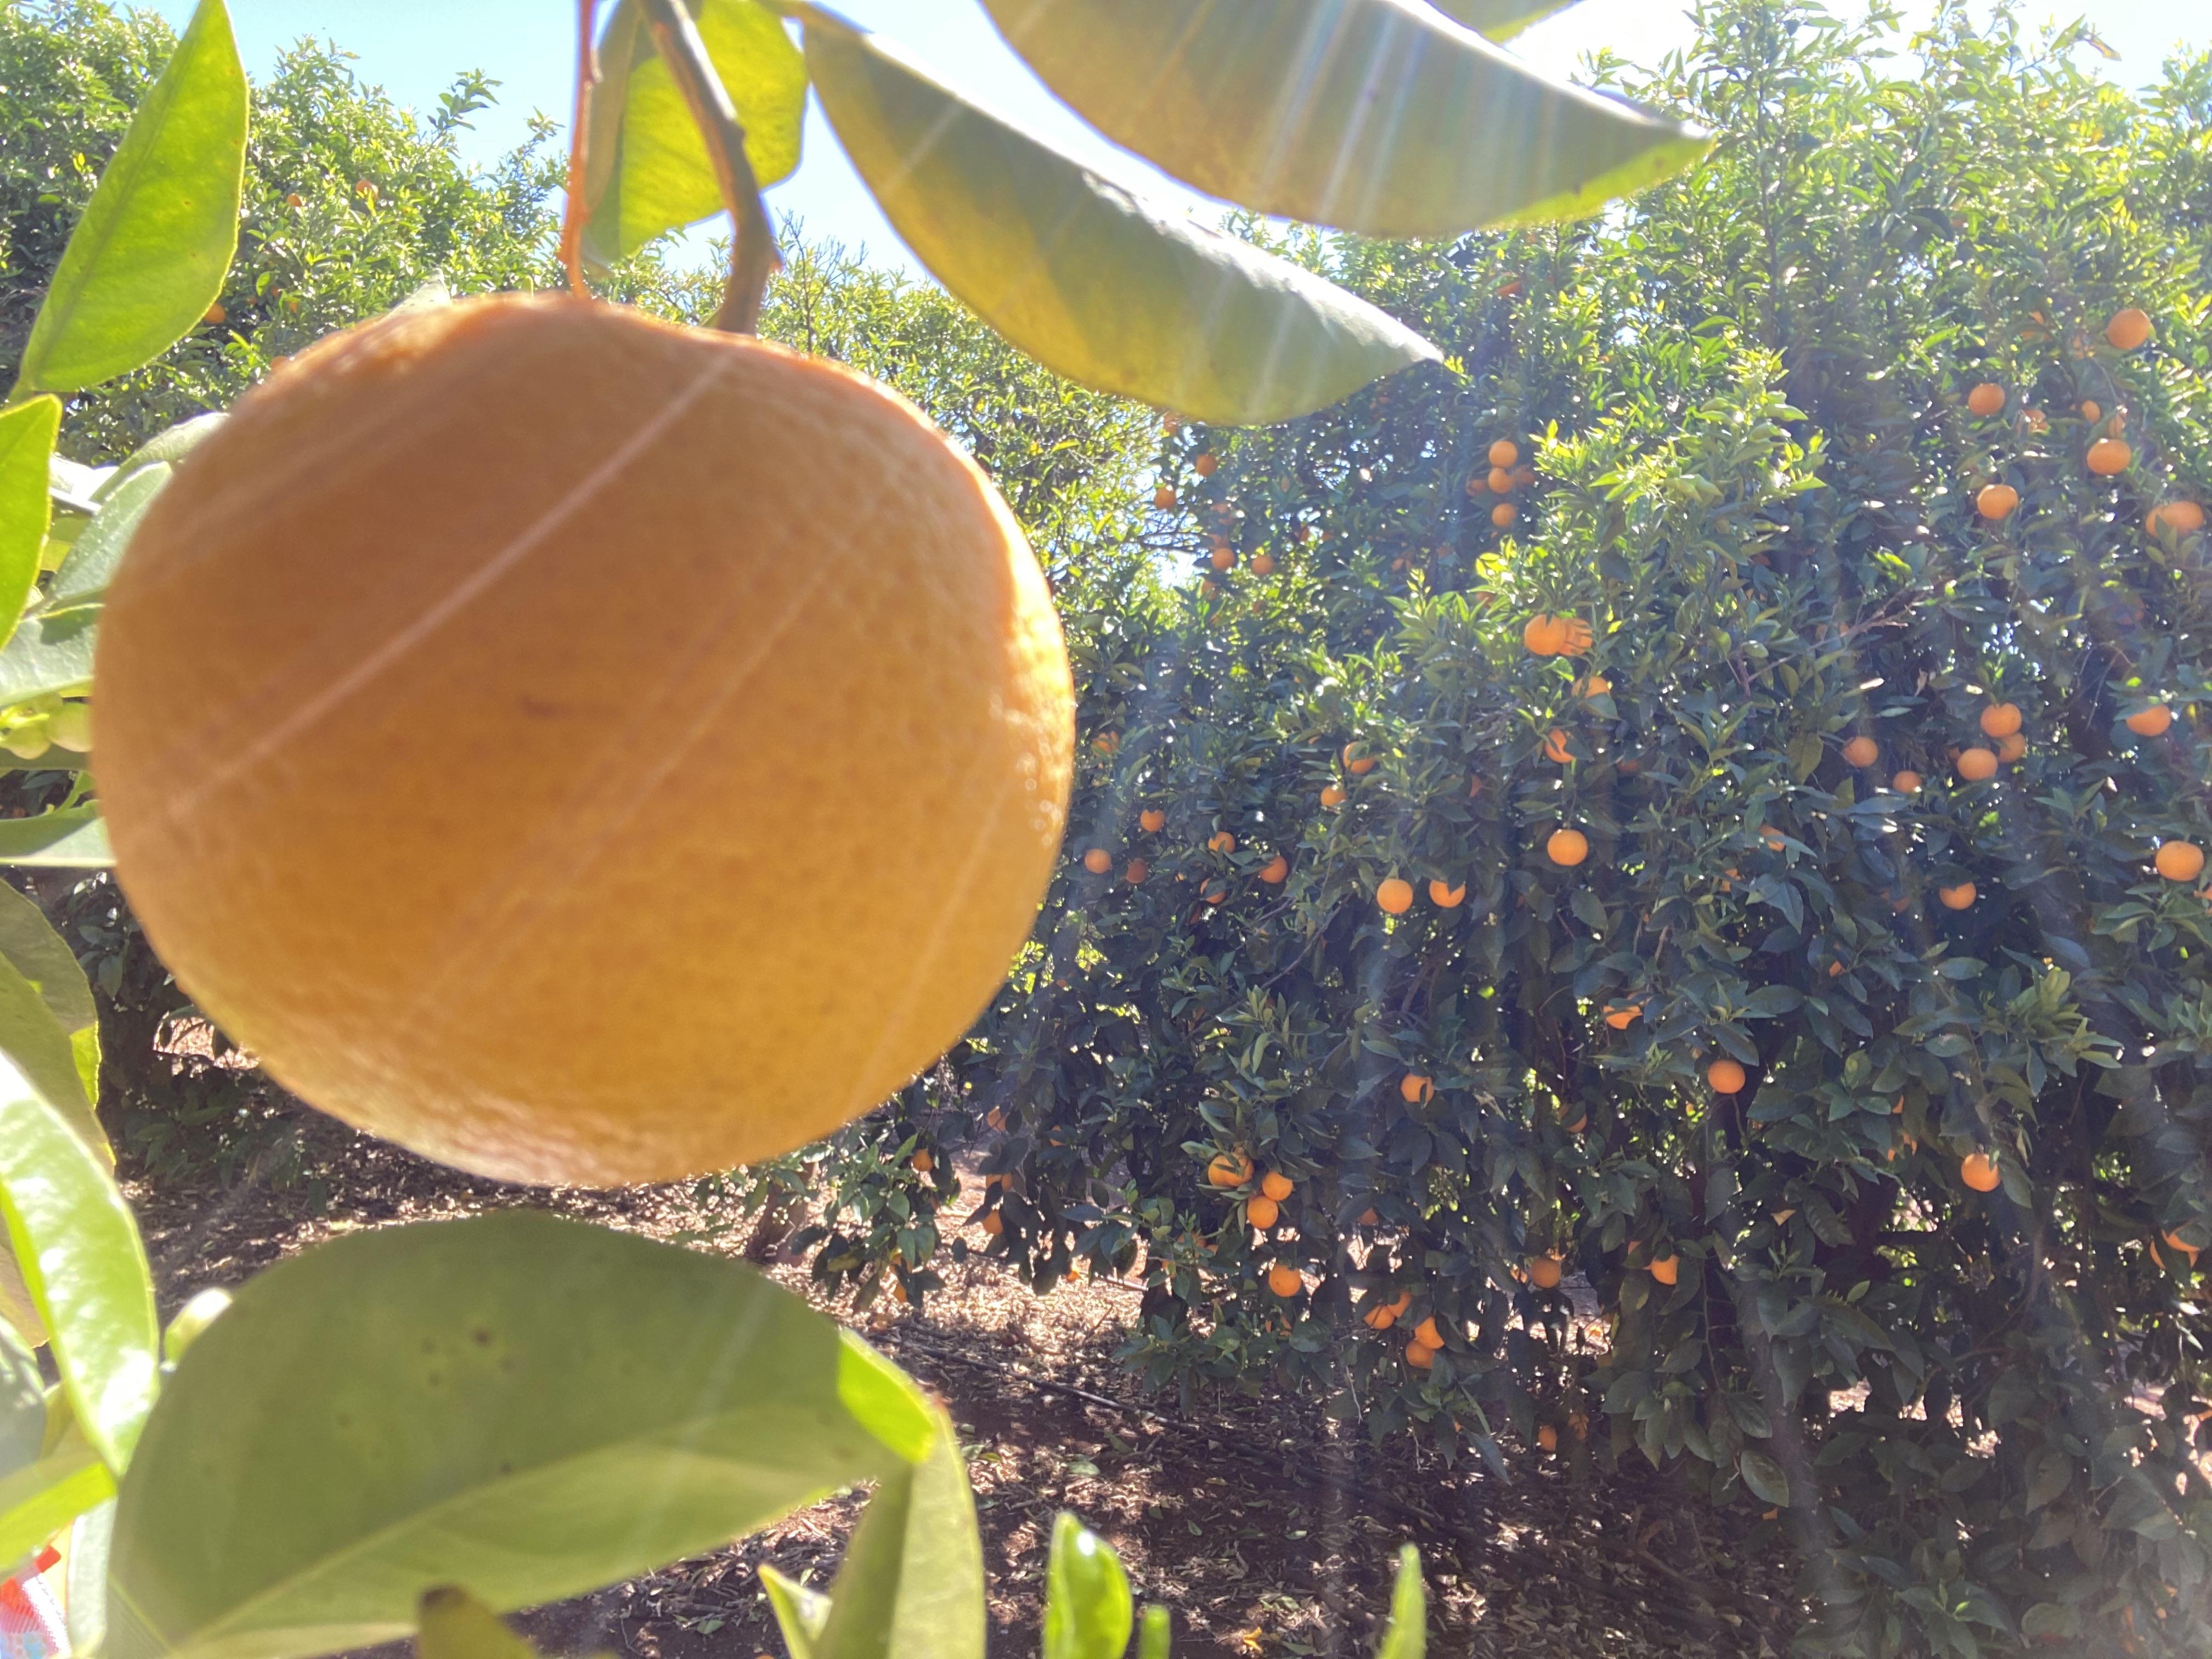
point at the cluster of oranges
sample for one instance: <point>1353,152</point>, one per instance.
<point>1507,474</point>
<point>1151,821</point>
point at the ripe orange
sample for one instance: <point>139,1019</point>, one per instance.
<point>2000,720</point>
<point>1380,1316</point>
<point>1567,847</point>
<point>1276,1185</point>
<point>1906,783</point>
<point>996,1117</point>
<point>1368,1218</point>
<point>2093,410</point>
<point>1284,1280</point>
<point>215,316</point>
<point>2110,455</point>
<point>1395,895</point>
<point>2182,518</point>
<point>1500,481</point>
<point>2151,722</point>
<point>1215,893</point>
<point>1445,896</point>
<point>1547,1437</point>
<point>1276,869</point>
<point>1356,761</point>
<point>1624,1015</point>
<point>1862,751</point>
<point>921,1163</point>
<point>1959,897</point>
<point>1592,686</point>
<point>1206,464</point>
<point>1427,1334</point>
<point>1221,842</point>
<point>2180,861</point>
<point>1726,1076</point>
<point>1977,764</point>
<point>1415,1089</point>
<point>2174,1242</point>
<point>1544,1272</point>
<point>1263,564</point>
<point>1997,501</point>
<point>409,529</point>
<point>1666,1269</point>
<point>1503,514</point>
<point>1229,1169</point>
<point>1579,638</point>
<point>1262,1212</point>
<point>1979,1172</point>
<point>2128,329</point>
<point>1152,820</point>
<point>1545,636</point>
<point>1098,860</point>
<point>1222,557</point>
<point>1986,399</point>
<point>1164,497</point>
<point>1136,872</point>
<point>1504,452</point>
<point>1420,1357</point>
<point>1556,749</point>
<point>995,1223</point>
<point>2012,748</point>
<point>1331,795</point>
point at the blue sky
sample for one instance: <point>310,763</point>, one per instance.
<point>414,48</point>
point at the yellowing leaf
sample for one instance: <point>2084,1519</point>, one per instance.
<point>1084,276</point>
<point>1383,117</point>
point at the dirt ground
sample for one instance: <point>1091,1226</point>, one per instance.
<point>1261,1528</point>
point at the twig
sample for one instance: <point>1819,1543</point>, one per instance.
<point>753,255</point>
<point>572,214</point>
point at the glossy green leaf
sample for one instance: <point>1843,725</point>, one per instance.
<point>49,655</point>
<point>40,1500</point>
<point>165,448</point>
<point>1087,1612</point>
<point>70,838</point>
<point>92,563</point>
<point>1086,278</point>
<point>73,1238</point>
<point>454,1624</point>
<point>1408,1634</point>
<point>148,257</point>
<point>32,1038</point>
<point>648,172</point>
<point>28,942</point>
<point>27,441</point>
<point>86,1570</point>
<point>800,1612</point>
<point>1500,19</point>
<point>1765,1479</point>
<point>1155,1633</point>
<point>530,1407</point>
<point>1383,117</point>
<point>911,1586</point>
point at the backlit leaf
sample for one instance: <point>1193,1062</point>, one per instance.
<point>454,1624</point>
<point>29,943</point>
<point>1086,278</point>
<point>1087,1611</point>
<point>1383,117</point>
<point>27,441</point>
<point>1407,1636</point>
<point>149,256</point>
<point>911,1585</point>
<point>91,565</point>
<point>69,838</point>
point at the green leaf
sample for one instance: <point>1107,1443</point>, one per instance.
<point>87,1572</point>
<point>800,1612</point>
<point>22,1407</point>
<point>1087,278</point>
<point>1500,19</point>
<point>49,655</point>
<point>32,1038</point>
<point>29,943</point>
<point>150,255</point>
<point>73,1237</point>
<point>648,172</point>
<point>1154,1634</point>
<point>92,563</point>
<point>1087,1612</point>
<point>40,1500</point>
<point>1275,107</point>
<point>1764,1477</point>
<point>912,1582</point>
<point>528,1405</point>
<point>454,1624</point>
<point>1407,1635</point>
<point>18,1312</point>
<point>27,441</point>
<point>71,838</point>
<point>166,447</point>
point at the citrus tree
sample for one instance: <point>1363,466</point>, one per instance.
<point>422,673</point>
<point>1698,794</point>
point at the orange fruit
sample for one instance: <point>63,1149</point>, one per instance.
<point>1206,464</point>
<point>2093,410</point>
<point>1906,783</point>
<point>2180,861</point>
<point>1986,399</point>
<point>1862,751</point>
<point>435,569</point>
<point>1544,1272</point>
<point>1978,765</point>
<point>1959,897</point>
<point>2174,1243</point>
<point>1666,1269</point>
<point>1426,1334</point>
<point>2110,455</point>
<point>2176,518</point>
<point>1567,847</point>
<point>1261,1211</point>
<point>1395,895</point>
<point>1358,761</point>
<point>1547,1437</point>
<point>1221,842</point>
<point>921,1163</point>
<point>1368,1218</point>
<point>1164,497</point>
<point>1504,452</point>
<point>1276,1185</point>
<point>2000,720</point>
<point>1284,1280</point>
<point>1215,894</point>
<point>995,1223</point>
<point>1263,564</point>
<point>1997,501</point>
<point>1276,869</point>
<point>1625,1015</point>
<point>2012,747</point>
<point>1556,749</point>
<point>2128,329</point>
<point>1331,795</point>
<point>1098,860</point>
<point>1445,896</point>
<point>1107,743</point>
<point>1591,686</point>
<point>215,316</point>
<point>1136,872</point>
<point>1545,636</point>
<point>1726,1076</point>
<point>1503,514</point>
<point>1579,638</point>
<point>1420,1358</point>
<point>1152,820</point>
<point>2151,722</point>
<point>1979,1172</point>
<point>1229,1169</point>
<point>996,1117</point>
<point>1415,1089</point>
<point>1380,1316</point>
<point>1500,481</point>
<point>1222,558</point>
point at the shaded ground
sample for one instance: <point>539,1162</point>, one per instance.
<point>1261,1530</point>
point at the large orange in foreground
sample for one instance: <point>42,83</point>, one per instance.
<point>581,748</point>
